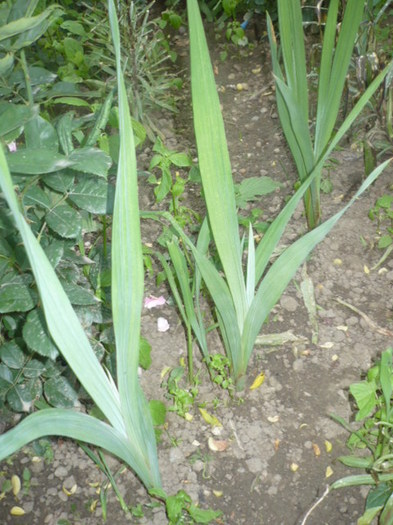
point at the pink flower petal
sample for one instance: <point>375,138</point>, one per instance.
<point>153,302</point>
<point>12,146</point>
<point>162,324</point>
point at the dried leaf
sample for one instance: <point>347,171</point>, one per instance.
<point>258,381</point>
<point>218,493</point>
<point>276,444</point>
<point>328,446</point>
<point>329,472</point>
<point>273,419</point>
<point>327,345</point>
<point>337,262</point>
<point>294,467</point>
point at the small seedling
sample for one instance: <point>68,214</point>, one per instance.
<point>219,366</point>
<point>183,398</point>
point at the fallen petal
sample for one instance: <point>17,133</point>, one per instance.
<point>17,511</point>
<point>162,324</point>
<point>153,302</point>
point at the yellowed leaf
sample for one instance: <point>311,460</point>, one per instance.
<point>188,417</point>
<point>211,420</point>
<point>93,505</point>
<point>276,444</point>
<point>273,419</point>
<point>329,472</point>
<point>218,493</point>
<point>258,381</point>
<point>337,262</point>
<point>256,70</point>
<point>327,345</point>
<point>17,511</point>
<point>335,357</point>
<point>16,485</point>
<point>366,269</point>
<point>328,446</point>
<point>294,467</point>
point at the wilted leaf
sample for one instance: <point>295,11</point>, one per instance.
<point>217,445</point>
<point>17,511</point>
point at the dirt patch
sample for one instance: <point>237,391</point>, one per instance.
<point>275,466</point>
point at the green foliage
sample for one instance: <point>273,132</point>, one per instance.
<point>309,145</point>
<point>180,509</point>
<point>243,296</point>
<point>382,214</point>
<point>128,432</point>
<point>183,398</point>
<point>374,408</point>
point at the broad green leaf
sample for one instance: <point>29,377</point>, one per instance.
<point>39,133</point>
<point>15,295</point>
<point>386,517</point>
<point>22,396</point>
<point>35,335</point>
<point>181,160</point>
<point>79,295</point>
<point>356,462</point>
<point>368,516</point>
<point>65,221</point>
<point>38,76</point>
<point>144,354</point>
<point>378,495</point>
<point>59,393</point>
<point>34,368</point>
<point>54,251</point>
<point>94,195</point>
<point>25,24</point>
<point>158,412</point>
<point>72,101</point>
<point>61,182</point>
<point>90,160</point>
<point>361,479</point>
<point>35,196</point>
<point>252,188</point>
<point>29,161</point>
<point>12,355</point>
<point>6,64</point>
<point>74,27</point>
<point>14,116</point>
<point>202,515</point>
<point>365,397</point>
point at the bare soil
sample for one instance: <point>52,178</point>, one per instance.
<point>276,464</point>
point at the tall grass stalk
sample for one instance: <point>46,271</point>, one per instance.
<point>243,298</point>
<point>128,432</point>
<point>292,92</point>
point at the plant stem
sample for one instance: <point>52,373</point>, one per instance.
<point>189,354</point>
<point>27,78</point>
